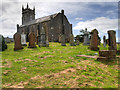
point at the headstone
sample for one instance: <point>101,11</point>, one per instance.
<point>94,40</point>
<point>43,39</point>
<point>86,38</point>
<point>31,37</point>
<point>23,39</point>
<point>63,40</point>
<point>72,40</point>
<point>112,40</point>
<point>104,41</point>
<point>77,42</point>
<point>17,42</point>
<point>59,38</point>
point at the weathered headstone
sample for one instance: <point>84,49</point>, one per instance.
<point>23,39</point>
<point>104,41</point>
<point>3,45</point>
<point>112,40</point>
<point>94,40</point>
<point>72,40</point>
<point>17,42</point>
<point>31,37</point>
<point>59,38</point>
<point>86,38</point>
<point>43,38</point>
<point>63,40</point>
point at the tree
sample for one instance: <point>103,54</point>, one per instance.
<point>82,33</point>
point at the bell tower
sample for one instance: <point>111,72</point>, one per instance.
<point>27,14</point>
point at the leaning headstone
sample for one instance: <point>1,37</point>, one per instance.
<point>31,37</point>
<point>23,39</point>
<point>63,40</point>
<point>94,40</point>
<point>72,40</point>
<point>104,41</point>
<point>112,40</point>
<point>17,42</point>
<point>77,42</point>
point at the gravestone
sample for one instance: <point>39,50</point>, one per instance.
<point>77,42</point>
<point>43,39</point>
<point>59,38</point>
<point>31,37</point>
<point>94,40</point>
<point>63,40</point>
<point>86,38</point>
<point>17,42</point>
<point>112,40</point>
<point>72,40</point>
<point>104,41</point>
<point>23,39</point>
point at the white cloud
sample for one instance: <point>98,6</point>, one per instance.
<point>102,24</point>
<point>78,18</point>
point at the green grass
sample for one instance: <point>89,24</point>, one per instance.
<point>41,62</point>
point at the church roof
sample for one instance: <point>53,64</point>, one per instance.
<point>42,19</point>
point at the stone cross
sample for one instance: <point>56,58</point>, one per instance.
<point>112,40</point>
<point>17,42</point>
<point>23,39</point>
<point>31,37</point>
<point>104,41</point>
<point>94,40</point>
<point>72,40</point>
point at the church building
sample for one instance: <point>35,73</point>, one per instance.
<point>54,25</point>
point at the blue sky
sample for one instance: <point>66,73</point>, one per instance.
<point>100,15</point>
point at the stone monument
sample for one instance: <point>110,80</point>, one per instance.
<point>72,40</point>
<point>23,39</point>
<point>107,55</point>
<point>31,37</point>
<point>63,40</point>
<point>17,42</point>
<point>94,40</point>
<point>86,38</point>
<point>104,41</point>
<point>112,40</point>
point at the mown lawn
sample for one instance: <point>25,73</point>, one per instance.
<point>56,66</point>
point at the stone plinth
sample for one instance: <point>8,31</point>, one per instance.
<point>106,55</point>
<point>17,42</point>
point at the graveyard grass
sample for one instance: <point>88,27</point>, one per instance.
<point>56,66</point>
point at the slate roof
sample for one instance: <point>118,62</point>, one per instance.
<point>42,19</point>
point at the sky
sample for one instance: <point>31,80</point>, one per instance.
<point>102,14</point>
